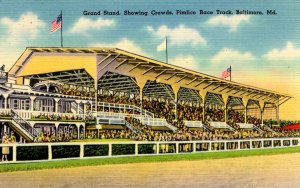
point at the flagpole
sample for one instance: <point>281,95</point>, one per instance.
<point>61,30</point>
<point>167,50</point>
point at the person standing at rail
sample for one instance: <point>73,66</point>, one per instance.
<point>5,150</point>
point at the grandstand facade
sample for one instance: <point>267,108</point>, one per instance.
<point>73,93</point>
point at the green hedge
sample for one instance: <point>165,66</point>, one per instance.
<point>26,153</point>
<point>123,149</point>
<point>96,150</point>
<point>147,148</point>
<point>65,151</point>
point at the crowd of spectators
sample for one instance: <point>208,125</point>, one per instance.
<point>185,111</point>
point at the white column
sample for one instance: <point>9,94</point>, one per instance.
<point>32,98</point>
<point>5,100</point>
<point>56,104</point>
<point>78,105</point>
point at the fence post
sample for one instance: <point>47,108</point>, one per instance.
<point>209,146</point>
<point>81,151</point>
<point>239,145</point>
<point>14,153</point>
<point>136,149</point>
<point>281,143</point>
<point>49,152</point>
<point>109,149</point>
<point>157,148</point>
<point>251,142</point>
<point>225,146</point>
<point>272,143</point>
<point>177,147</point>
<point>194,147</point>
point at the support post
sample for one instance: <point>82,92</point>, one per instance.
<point>277,115</point>
<point>262,107</point>
<point>194,147</point>
<point>225,100</point>
<point>56,104</point>
<point>32,98</point>
<point>5,96</point>
<point>109,149</point>
<point>177,147</point>
<point>14,153</point>
<point>49,152</point>
<point>81,155</point>
<point>136,147</point>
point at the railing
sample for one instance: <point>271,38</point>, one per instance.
<point>124,107</point>
<point>116,149</point>
<point>27,114</point>
<point>220,125</point>
<point>23,124</point>
<point>193,124</point>
<point>159,122</point>
<point>245,125</point>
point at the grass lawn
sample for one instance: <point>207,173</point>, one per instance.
<point>143,159</point>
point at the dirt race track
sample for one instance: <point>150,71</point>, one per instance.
<point>250,172</point>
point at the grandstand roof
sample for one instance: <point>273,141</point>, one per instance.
<point>119,70</point>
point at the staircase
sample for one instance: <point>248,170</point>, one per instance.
<point>132,128</point>
<point>206,127</point>
<point>257,129</point>
<point>22,127</point>
<point>268,128</point>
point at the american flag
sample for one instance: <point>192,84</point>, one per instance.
<point>226,73</point>
<point>56,24</point>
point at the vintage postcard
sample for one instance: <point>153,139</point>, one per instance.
<point>149,93</point>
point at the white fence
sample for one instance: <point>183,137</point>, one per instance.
<point>112,149</point>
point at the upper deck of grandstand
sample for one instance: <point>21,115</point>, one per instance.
<point>121,71</point>
<point>57,89</point>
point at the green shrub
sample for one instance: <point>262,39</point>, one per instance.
<point>123,149</point>
<point>147,148</point>
<point>25,153</point>
<point>65,151</point>
<point>95,150</point>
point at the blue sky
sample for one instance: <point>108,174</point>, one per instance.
<point>260,49</point>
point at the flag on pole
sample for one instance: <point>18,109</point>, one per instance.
<point>56,24</point>
<point>226,73</point>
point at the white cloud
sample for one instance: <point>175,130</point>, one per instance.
<point>162,46</point>
<point>227,54</point>
<point>289,52</point>
<point>186,61</point>
<point>28,26</point>
<point>179,36</point>
<point>83,25</point>
<point>232,22</point>
<point>124,44</point>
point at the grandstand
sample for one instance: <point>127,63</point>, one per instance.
<point>75,93</point>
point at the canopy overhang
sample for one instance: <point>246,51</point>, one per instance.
<point>119,70</point>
